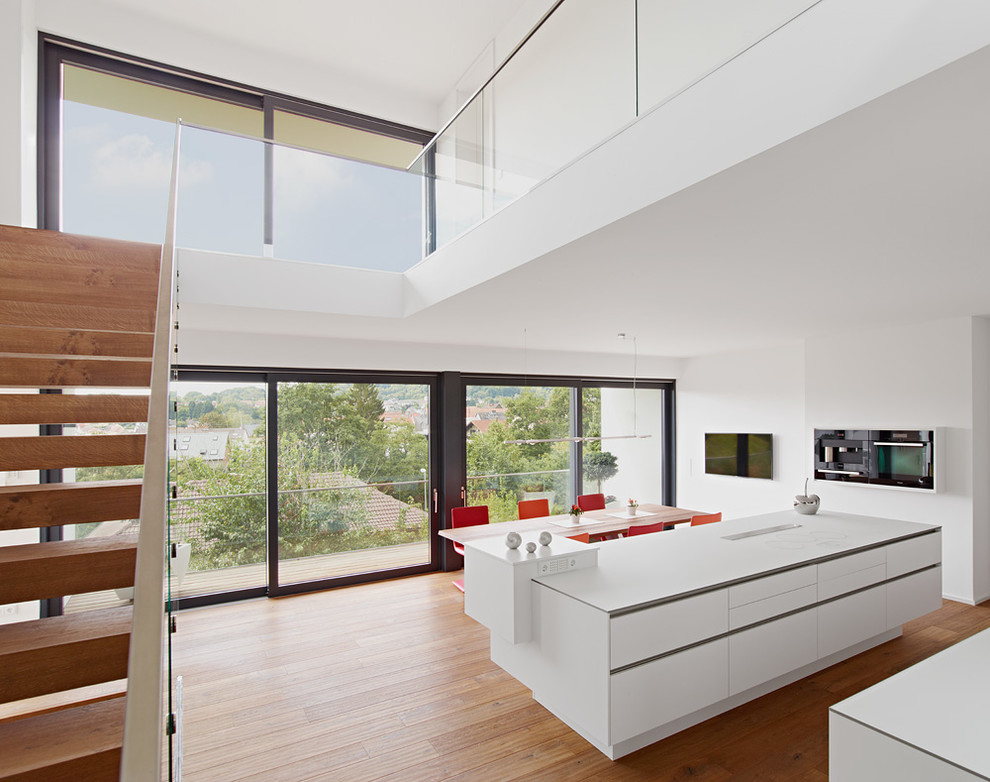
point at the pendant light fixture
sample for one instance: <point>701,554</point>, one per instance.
<point>533,441</point>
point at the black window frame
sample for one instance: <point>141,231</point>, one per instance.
<point>54,51</point>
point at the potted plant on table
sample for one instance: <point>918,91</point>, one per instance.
<point>575,513</point>
<point>631,507</point>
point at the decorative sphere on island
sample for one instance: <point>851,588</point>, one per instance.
<point>531,547</point>
<point>513,540</point>
<point>545,538</point>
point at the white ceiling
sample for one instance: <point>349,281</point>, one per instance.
<point>878,217</point>
<point>419,47</point>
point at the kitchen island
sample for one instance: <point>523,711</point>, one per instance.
<point>658,632</point>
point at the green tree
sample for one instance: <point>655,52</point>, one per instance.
<point>214,419</point>
<point>600,466</point>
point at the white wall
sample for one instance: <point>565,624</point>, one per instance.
<point>228,348</point>
<point>981,458</point>
<point>909,375</point>
<point>18,80</point>
<point>916,376</point>
<point>751,391</point>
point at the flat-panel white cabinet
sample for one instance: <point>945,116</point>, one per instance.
<point>849,620</point>
<point>762,653</point>
<point>669,630</point>
<point>643,634</point>
<point>912,596</point>
<point>839,576</point>
<point>913,554</point>
<point>663,690</point>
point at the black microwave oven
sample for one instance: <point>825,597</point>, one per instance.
<point>903,458</point>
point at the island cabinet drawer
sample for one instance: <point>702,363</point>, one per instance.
<point>912,554</point>
<point>913,596</point>
<point>849,620</point>
<point>770,650</point>
<point>852,572</point>
<point>654,693</point>
<point>643,634</point>
<point>764,598</point>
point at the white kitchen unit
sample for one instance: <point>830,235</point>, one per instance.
<point>928,722</point>
<point>666,630</point>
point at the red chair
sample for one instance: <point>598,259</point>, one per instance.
<point>645,529</point>
<point>534,509</point>
<point>468,516</point>
<point>706,518</point>
<point>584,537</point>
<point>591,502</point>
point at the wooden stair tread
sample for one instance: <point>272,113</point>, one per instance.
<point>63,652</point>
<point>51,504</point>
<point>76,316</point>
<point>35,571</point>
<point>73,408</point>
<point>53,452</point>
<point>16,239</point>
<point>83,743</point>
<point>22,371</point>
<point>66,699</point>
<point>27,280</point>
<point>74,342</point>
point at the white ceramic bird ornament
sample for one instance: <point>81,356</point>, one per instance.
<point>806,503</point>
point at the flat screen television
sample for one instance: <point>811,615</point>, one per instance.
<point>743,455</point>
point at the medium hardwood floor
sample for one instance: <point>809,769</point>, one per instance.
<point>391,681</point>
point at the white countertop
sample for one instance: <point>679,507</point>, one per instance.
<point>938,705</point>
<point>650,568</point>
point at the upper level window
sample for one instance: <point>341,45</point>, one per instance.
<point>109,130</point>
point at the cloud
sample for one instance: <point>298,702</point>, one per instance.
<point>134,161</point>
<point>304,180</point>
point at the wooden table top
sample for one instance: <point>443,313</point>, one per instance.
<point>594,522</point>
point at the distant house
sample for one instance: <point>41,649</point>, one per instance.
<point>210,445</point>
<point>479,426</point>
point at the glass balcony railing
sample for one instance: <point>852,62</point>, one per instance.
<point>257,197</point>
<point>583,73</point>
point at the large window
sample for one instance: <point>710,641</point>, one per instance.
<point>108,129</point>
<point>285,483</point>
<point>502,468</point>
<point>561,439</point>
<point>353,470</point>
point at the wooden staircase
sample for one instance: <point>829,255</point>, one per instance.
<point>75,313</point>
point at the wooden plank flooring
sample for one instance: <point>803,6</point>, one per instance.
<point>391,681</point>
<point>210,582</point>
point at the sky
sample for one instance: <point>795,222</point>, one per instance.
<point>115,182</point>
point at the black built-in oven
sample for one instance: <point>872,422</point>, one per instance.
<point>877,457</point>
<point>903,457</point>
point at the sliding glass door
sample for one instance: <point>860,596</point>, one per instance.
<point>623,454</point>
<point>503,465</point>
<point>353,479</point>
<point>564,438</point>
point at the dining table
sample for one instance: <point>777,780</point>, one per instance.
<point>594,522</point>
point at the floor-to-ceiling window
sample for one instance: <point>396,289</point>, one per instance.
<point>353,479</point>
<point>218,469</point>
<point>289,482</point>
<point>508,458</point>
<point>558,438</point>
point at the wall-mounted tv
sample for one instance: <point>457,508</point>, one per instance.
<point>743,455</point>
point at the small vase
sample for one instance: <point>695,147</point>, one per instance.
<point>631,509</point>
